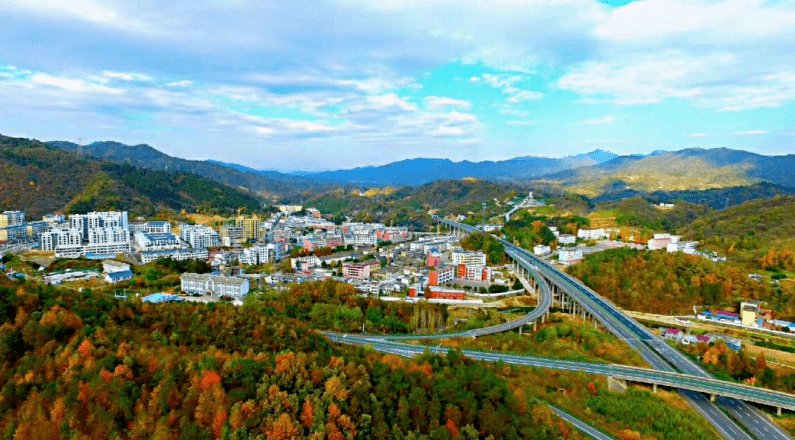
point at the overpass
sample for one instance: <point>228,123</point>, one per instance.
<point>712,387</point>
<point>571,294</point>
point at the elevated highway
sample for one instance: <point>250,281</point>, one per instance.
<point>569,292</point>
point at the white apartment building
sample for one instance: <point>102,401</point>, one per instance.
<point>154,227</point>
<point>54,218</point>
<point>258,255</point>
<point>541,249</point>
<point>305,263</point>
<point>96,220</point>
<point>569,255</point>
<point>156,242</point>
<point>475,258</point>
<point>567,239</point>
<point>52,240</point>
<point>592,234</point>
<point>688,247</point>
<point>214,285</point>
<point>175,254</point>
<point>199,236</point>
<point>108,240</point>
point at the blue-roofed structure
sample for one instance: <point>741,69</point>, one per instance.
<point>117,277</point>
<point>157,298</point>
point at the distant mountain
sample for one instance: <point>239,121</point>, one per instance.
<point>685,170</point>
<point>415,172</point>
<point>39,178</point>
<point>270,184</point>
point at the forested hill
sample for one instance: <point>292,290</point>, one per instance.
<point>86,366</point>
<point>38,179</point>
<point>270,184</point>
<point>756,225</point>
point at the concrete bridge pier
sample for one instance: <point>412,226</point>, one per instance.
<point>654,388</point>
<point>778,411</point>
<point>712,397</point>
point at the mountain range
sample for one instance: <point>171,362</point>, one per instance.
<point>419,171</point>
<point>595,174</point>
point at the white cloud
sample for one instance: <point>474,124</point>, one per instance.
<point>440,103</point>
<point>73,85</point>
<point>474,79</point>
<point>606,120</point>
<point>750,133</point>
<point>181,83</point>
<point>124,76</point>
<point>525,95</point>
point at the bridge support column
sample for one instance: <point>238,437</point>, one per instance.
<point>617,385</point>
<point>778,411</point>
<point>712,397</point>
<point>654,388</point>
<point>535,325</point>
<point>520,330</point>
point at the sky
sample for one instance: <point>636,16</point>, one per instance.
<point>329,84</point>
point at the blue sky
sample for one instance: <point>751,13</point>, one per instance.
<point>315,85</point>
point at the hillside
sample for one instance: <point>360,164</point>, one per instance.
<point>39,179</point>
<point>419,171</point>
<point>409,206</point>
<point>269,184</point>
<point>749,230</point>
<point>642,213</point>
<point>716,198</point>
<point>659,282</point>
<point>685,170</point>
<point>88,366</point>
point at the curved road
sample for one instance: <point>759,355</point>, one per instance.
<point>658,353</point>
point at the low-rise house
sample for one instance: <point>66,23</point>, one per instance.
<point>541,249</point>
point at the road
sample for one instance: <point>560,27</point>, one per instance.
<point>658,353</point>
<point>580,425</point>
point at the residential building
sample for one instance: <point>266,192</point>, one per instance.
<point>460,256</point>
<point>51,240</point>
<point>117,277</point>
<point>231,236</point>
<point>569,255</point>
<point>474,272</point>
<point>261,254</point>
<point>356,270</point>
<point>661,241</point>
<point>108,240</point>
<point>175,254</point>
<point>671,333</point>
<point>214,285</point>
<point>250,227</point>
<point>153,227</point>
<point>12,218</point>
<point>688,247</point>
<point>198,236</point>
<point>110,266</point>
<point>441,276</point>
<point>434,258</point>
<point>56,217</point>
<point>14,233</point>
<point>592,234</point>
<point>305,263</point>
<point>541,249</point>
<point>439,293</point>
<point>748,312</point>
<point>289,208</point>
<point>35,229</point>
<point>97,220</point>
<point>567,239</point>
<point>156,242</point>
